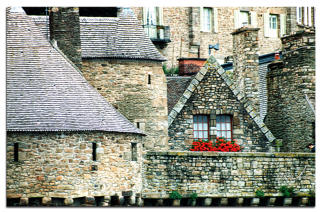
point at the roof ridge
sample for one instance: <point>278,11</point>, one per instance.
<point>212,64</point>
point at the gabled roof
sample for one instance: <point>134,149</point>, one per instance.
<point>46,92</point>
<point>213,66</point>
<point>106,37</point>
<point>176,85</point>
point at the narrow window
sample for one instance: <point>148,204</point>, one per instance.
<point>138,125</point>
<point>224,126</point>
<point>200,127</point>
<point>134,151</point>
<point>15,151</point>
<point>244,18</point>
<point>94,151</point>
<point>149,79</point>
<point>207,19</point>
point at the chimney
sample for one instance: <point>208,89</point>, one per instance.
<point>64,29</point>
<point>246,63</point>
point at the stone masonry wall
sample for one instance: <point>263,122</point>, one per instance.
<point>65,29</point>
<point>59,164</point>
<point>246,63</point>
<point>212,174</point>
<point>291,92</point>
<point>125,85</point>
<point>213,97</point>
<point>185,37</point>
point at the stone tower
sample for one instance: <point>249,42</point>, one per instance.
<point>65,30</point>
<point>291,92</point>
<point>245,56</point>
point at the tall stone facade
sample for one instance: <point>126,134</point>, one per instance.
<point>60,165</point>
<point>188,40</point>
<point>138,90</point>
<point>65,30</point>
<point>246,63</point>
<point>291,92</point>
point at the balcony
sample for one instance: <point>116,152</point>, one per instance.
<point>158,34</point>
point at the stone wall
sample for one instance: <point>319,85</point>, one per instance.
<point>61,165</point>
<point>246,63</point>
<point>213,97</point>
<point>186,37</point>
<point>218,174</point>
<point>291,92</point>
<point>138,90</point>
<point>65,29</point>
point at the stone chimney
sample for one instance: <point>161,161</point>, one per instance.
<point>65,30</point>
<point>246,63</point>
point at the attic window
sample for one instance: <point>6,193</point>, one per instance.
<point>15,152</point>
<point>224,126</point>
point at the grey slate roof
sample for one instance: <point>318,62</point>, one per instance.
<point>175,88</point>
<point>45,92</point>
<point>121,37</point>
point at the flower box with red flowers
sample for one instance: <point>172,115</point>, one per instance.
<point>221,145</point>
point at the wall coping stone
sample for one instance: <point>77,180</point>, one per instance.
<point>234,154</point>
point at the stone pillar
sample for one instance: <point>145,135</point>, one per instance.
<point>291,92</point>
<point>223,201</point>
<point>68,201</point>
<point>24,201</point>
<point>106,201</point>
<point>246,63</point>
<point>207,201</point>
<point>254,201</point>
<point>46,201</point>
<point>240,201</point>
<point>65,30</point>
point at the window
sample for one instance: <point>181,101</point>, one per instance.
<point>200,127</point>
<point>94,151</point>
<point>224,126</point>
<point>274,25</point>
<point>15,152</point>
<point>153,17</point>
<point>245,18</point>
<point>134,152</point>
<point>305,15</point>
<point>149,79</point>
<point>208,19</point>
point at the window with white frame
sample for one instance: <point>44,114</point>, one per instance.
<point>153,17</point>
<point>305,15</point>
<point>224,126</point>
<point>244,18</point>
<point>208,19</point>
<point>274,25</point>
<point>201,127</point>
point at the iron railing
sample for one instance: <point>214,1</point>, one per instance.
<point>158,33</point>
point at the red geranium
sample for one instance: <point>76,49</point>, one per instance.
<point>221,145</point>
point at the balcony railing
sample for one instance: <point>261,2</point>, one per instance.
<point>158,33</point>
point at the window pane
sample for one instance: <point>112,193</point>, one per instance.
<point>228,127</point>
<point>199,119</point>
<point>195,119</point>
<point>205,120</point>
<point>195,134</point>
<point>205,126</point>
<point>217,119</point>
<point>217,126</point>
<point>199,126</point>
<point>223,126</point>
<point>195,126</point>
<point>200,134</point>
<point>205,134</point>
<point>218,134</point>
<point>227,118</point>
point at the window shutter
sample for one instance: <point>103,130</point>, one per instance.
<point>215,20</point>
<point>253,19</point>
<point>282,25</point>
<point>236,19</point>
<point>201,18</point>
<point>160,15</point>
<point>266,24</point>
<point>145,16</point>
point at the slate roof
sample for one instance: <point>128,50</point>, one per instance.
<point>106,37</point>
<point>176,85</point>
<point>46,92</point>
<point>213,66</point>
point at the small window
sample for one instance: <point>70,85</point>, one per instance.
<point>207,19</point>
<point>149,79</point>
<point>15,152</point>
<point>94,151</point>
<point>200,127</point>
<point>244,18</point>
<point>134,154</point>
<point>224,126</point>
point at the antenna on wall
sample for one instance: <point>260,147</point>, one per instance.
<point>216,47</point>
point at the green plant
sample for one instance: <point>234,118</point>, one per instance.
<point>287,191</point>
<point>173,70</point>
<point>193,196</point>
<point>259,193</point>
<point>175,195</point>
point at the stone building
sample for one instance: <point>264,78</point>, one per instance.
<point>188,32</point>
<point>65,142</point>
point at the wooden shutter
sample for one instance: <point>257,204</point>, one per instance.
<point>253,19</point>
<point>201,18</point>
<point>215,20</point>
<point>282,25</point>
<point>236,19</point>
<point>266,25</point>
